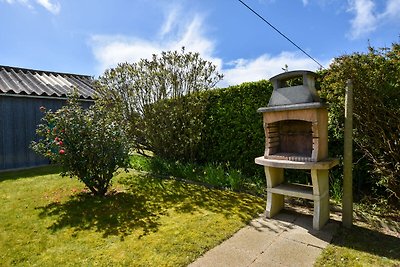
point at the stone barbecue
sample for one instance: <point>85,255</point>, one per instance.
<point>295,121</point>
<point>296,137</point>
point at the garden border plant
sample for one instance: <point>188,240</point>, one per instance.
<point>376,79</point>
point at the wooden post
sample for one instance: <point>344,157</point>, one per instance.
<point>347,200</point>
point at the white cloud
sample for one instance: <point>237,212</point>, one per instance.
<point>53,7</point>
<point>109,50</point>
<point>367,19</point>
<point>305,2</point>
<point>170,22</point>
<point>25,3</point>
<point>264,67</point>
<point>392,10</point>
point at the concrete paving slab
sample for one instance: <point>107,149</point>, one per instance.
<point>271,263</point>
<point>303,236</point>
<point>223,256</point>
<point>304,233</point>
<point>276,225</point>
<point>252,240</point>
<point>289,253</point>
<point>288,239</point>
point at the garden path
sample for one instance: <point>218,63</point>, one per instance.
<point>286,240</point>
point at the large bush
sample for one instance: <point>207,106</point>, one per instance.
<point>376,79</point>
<point>88,144</point>
<point>174,127</point>
<point>139,91</point>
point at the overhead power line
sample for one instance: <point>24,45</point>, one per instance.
<point>282,34</point>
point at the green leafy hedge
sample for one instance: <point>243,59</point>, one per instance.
<point>173,127</point>
<point>219,126</point>
<point>233,130</point>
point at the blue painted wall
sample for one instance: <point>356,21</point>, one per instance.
<point>19,117</point>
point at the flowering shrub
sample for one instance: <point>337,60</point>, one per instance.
<point>88,144</point>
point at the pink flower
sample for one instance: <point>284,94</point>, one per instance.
<point>61,152</point>
<point>60,143</point>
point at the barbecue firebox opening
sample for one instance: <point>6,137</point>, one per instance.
<point>295,137</point>
<point>290,140</point>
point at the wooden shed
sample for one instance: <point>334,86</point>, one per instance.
<point>22,93</point>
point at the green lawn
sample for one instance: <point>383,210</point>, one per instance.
<point>361,246</point>
<point>373,240</point>
<point>47,220</point>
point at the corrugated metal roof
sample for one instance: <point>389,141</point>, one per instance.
<point>43,83</point>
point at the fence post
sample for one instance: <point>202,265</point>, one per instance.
<point>347,200</point>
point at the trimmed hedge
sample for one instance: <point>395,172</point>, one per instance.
<point>219,126</point>
<point>173,127</point>
<point>233,130</point>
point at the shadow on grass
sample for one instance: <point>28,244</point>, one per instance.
<point>116,214</point>
<point>30,172</point>
<point>142,204</point>
<point>367,240</point>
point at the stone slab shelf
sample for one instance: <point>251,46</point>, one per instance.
<point>293,190</point>
<point>277,188</point>
<point>304,165</point>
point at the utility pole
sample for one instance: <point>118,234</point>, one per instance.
<point>347,200</point>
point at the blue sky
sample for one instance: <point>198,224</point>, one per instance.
<point>89,36</point>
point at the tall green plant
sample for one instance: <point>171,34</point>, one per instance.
<point>376,80</point>
<point>139,90</point>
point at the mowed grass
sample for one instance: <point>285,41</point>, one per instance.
<point>373,240</point>
<point>361,246</point>
<point>48,220</point>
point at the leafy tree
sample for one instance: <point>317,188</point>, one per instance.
<point>139,91</point>
<point>88,143</point>
<point>376,79</point>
